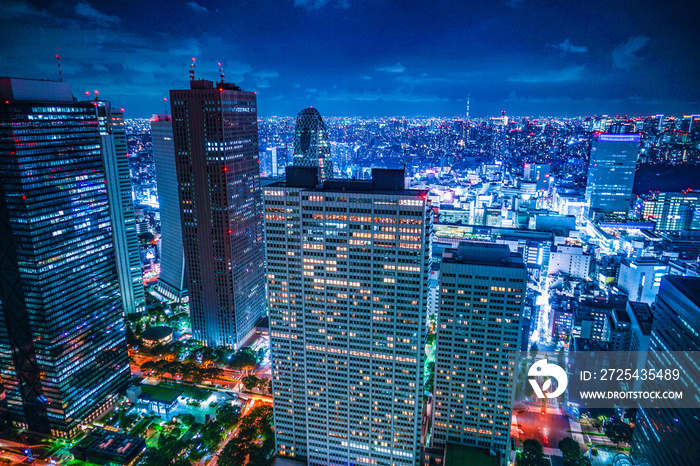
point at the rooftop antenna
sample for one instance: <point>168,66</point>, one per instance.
<point>221,72</point>
<point>58,62</point>
<point>192,69</point>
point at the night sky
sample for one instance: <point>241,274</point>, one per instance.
<point>370,57</point>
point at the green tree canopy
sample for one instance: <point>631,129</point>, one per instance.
<point>250,381</point>
<point>533,454</point>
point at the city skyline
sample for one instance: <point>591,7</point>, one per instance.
<point>370,58</point>
<point>349,232</point>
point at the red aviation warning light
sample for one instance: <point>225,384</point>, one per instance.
<point>58,62</point>
<point>221,72</point>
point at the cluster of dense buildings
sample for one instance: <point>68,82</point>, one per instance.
<point>350,271</point>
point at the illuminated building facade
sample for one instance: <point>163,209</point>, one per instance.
<point>478,335</point>
<point>348,267</point>
<point>611,173</point>
<point>673,211</point>
<point>63,352</point>
<point>121,207</point>
<point>671,435</point>
<point>172,280</point>
<point>311,145</point>
<point>640,278</point>
<point>216,149</point>
<point>538,173</point>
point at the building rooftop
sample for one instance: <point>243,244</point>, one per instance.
<point>459,455</point>
<point>621,315</point>
<point>483,254</point>
<point>156,333</point>
<point>106,445</point>
<point>689,286</point>
<point>384,181</point>
<point>642,314</point>
<point>159,394</point>
<point>22,89</point>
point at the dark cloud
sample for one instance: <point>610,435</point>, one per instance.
<point>368,57</point>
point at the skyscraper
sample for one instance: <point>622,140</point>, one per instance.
<point>172,282</point>
<point>121,207</point>
<point>62,336</point>
<point>538,173</point>
<point>311,145</point>
<point>611,173</point>
<point>218,174</point>
<point>640,278</point>
<point>348,266</point>
<point>673,211</point>
<point>669,435</point>
<point>478,335</point>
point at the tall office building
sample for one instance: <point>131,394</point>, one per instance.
<point>121,207</point>
<point>311,145</point>
<point>216,148</point>
<point>640,278</point>
<point>478,335</point>
<point>538,173</point>
<point>62,336</point>
<point>172,281</point>
<point>673,211</point>
<point>611,173</point>
<point>348,266</point>
<point>274,161</point>
<point>669,435</point>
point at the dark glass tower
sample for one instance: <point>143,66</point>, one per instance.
<point>611,173</point>
<point>62,345</point>
<point>671,435</point>
<point>311,145</point>
<point>218,172</point>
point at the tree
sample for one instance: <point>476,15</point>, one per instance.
<point>260,355</point>
<point>227,416</point>
<point>234,453</point>
<point>618,431</point>
<point>243,359</point>
<point>146,237</point>
<point>265,385</point>
<point>213,372</point>
<point>250,381</point>
<point>187,419</point>
<point>131,338</point>
<point>212,435</point>
<point>571,451</point>
<point>533,350</point>
<point>167,452</point>
<point>431,337</point>
<point>429,377</point>
<point>533,454</point>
